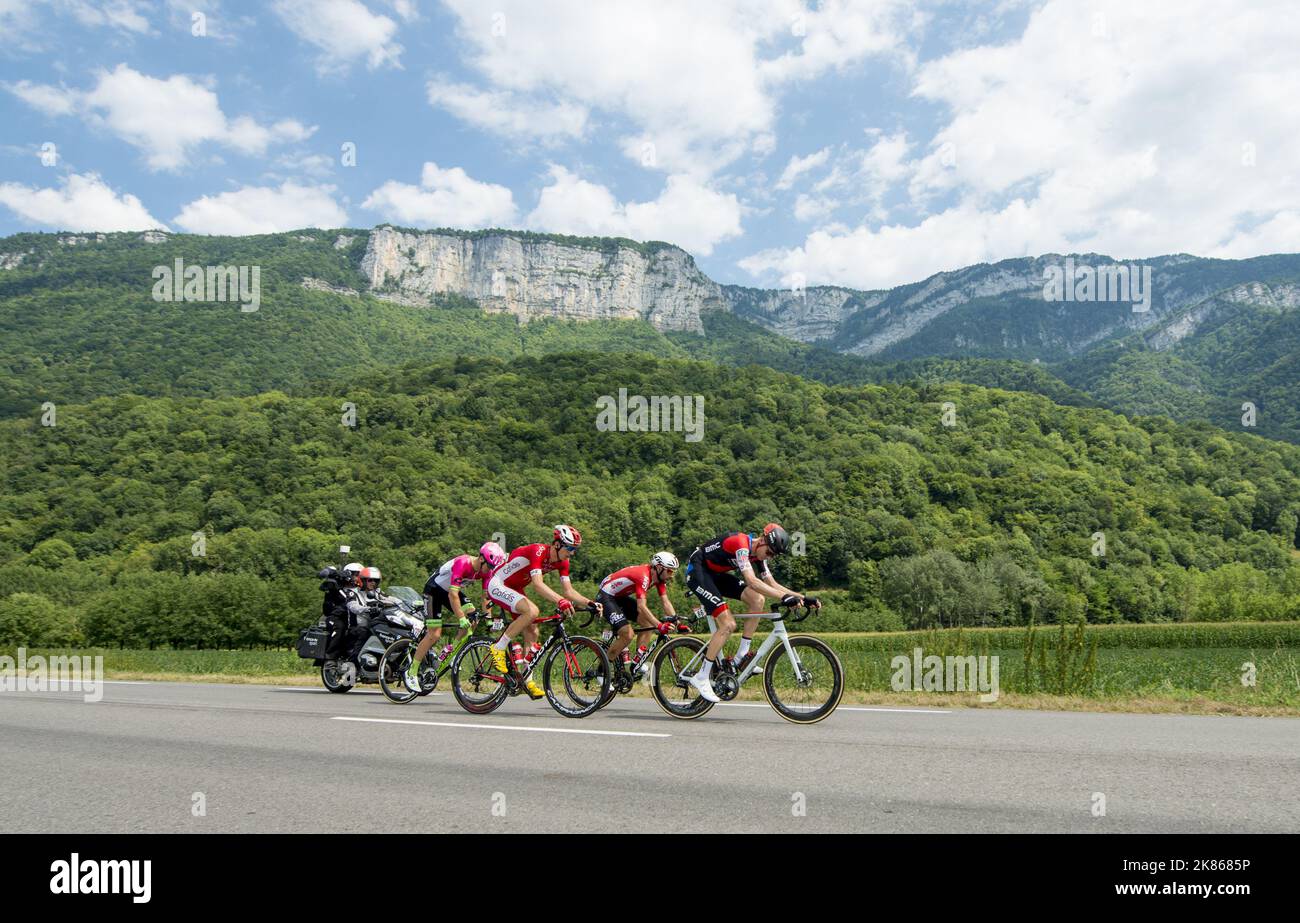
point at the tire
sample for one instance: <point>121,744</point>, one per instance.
<point>329,677</point>
<point>825,670</point>
<point>391,670</point>
<point>575,675</point>
<point>685,704</point>
<point>472,679</point>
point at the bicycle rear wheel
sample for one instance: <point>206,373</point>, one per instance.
<point>393,667</point>
<point>671,689</point>
<point>575,675</point>
<point>809,692</point>
<point>478,686</point>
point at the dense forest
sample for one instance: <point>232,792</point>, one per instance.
<point>200,522</point>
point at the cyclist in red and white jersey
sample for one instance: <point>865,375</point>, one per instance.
<point>724,569</point>
<point>523,570</point>
<point>622,598</point>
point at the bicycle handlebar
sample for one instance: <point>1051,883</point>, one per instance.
<point>790,611</point>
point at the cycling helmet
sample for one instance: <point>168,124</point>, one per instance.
<point>567,535</point>
<point>665,559</point>
<point>351,572</point>
<point>492,553</point>
<point>777,538</point>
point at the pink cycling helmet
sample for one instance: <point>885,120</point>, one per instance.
<point>492,553</point>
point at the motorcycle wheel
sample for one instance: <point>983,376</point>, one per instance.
<point>330,678</point>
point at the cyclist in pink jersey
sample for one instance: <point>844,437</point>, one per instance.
<point>443,591</point>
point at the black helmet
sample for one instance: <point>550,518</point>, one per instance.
<point>777,538</point>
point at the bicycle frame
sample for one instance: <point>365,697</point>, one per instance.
<point>558,635</point>
<point>778,635</point>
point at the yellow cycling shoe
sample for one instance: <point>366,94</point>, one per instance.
<point>534,690</point>
<point>499,660</point>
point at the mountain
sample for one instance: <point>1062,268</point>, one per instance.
<point>80,319</point>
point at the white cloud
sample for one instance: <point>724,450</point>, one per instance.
<point>1133,141</point>
<point>801,165</point>
<point>83,202</point>
<point>687,213</point>
<point>344,31</point>
<point>506,113</point>
<point>124,15</point>
<point>444,198</point>
<point>698,81</point>
<point>165,119</point>
<point>48,99</point>
<point>263,210</point>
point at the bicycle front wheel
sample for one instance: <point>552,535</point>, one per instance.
<point>670,685</point>
<point>476,683</point>
<point>575,676</point>
<point>807,691</point>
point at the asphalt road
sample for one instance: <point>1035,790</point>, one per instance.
<point>287,759</point>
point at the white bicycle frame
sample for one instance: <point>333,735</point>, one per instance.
<point>777,635</point>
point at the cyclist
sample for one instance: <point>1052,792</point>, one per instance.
<point>522,570</point>
<point>443,591</point>
<point>622,597</point>
<point>711,574</point>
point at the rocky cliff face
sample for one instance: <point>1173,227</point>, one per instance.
<point>533,276</point>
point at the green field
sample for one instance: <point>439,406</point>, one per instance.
<point>1195,667</point>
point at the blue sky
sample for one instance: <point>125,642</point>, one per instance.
<point>857,142</point>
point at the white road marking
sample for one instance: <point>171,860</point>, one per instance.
<point>499,727</point>
<point>915,711</point>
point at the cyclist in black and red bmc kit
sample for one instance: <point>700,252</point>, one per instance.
<point>711,574</point>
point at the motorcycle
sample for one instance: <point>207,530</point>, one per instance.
<point>399,618</point>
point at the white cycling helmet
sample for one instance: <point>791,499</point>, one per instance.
<point>665,559</point>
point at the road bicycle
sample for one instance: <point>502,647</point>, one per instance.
<point>802,679</point>
<point>397,660</point>
<point>574,670</point>
<point>623,681</point>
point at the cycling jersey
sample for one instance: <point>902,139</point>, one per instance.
<point>631,580</point>
<point>730,552</point>
<point>507,584</point>
<point>712,567</point>
<point>526,561</point>
<point>453,573</point>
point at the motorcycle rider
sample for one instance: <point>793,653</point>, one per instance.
<point>365,602</point>
<point>339,592</point>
